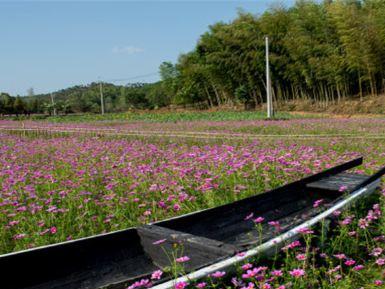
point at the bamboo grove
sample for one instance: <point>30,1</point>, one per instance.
<point>322,52</point>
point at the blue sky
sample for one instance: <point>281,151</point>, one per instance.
<point>49,45</point>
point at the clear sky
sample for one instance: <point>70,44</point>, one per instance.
<point>49,45</point>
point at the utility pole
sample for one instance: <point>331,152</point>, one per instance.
<point>270,112</point>
<point>53,104</point>
<point>101,97</point>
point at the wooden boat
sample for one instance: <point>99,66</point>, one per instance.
<point>211,237</point>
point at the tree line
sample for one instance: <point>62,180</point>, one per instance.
<point>321,52</point>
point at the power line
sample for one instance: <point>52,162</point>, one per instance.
<point>131,78</point>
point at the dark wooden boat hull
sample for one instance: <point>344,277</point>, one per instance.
<point>116,259</point>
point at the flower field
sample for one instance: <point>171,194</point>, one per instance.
<point>57,187</point>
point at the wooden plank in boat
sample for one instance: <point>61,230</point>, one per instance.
<point>334,183</point>
<point>201,250</point>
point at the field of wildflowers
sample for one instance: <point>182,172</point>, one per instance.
<point>57,187</point>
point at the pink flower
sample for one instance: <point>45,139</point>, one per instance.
<point>305,231</point>
<point>380,262</point>
<point>249,286</point>
<point>276,273</point>
<point>376,252</point>
<point>317,203</point>
<point>378,282</point>
<point>53,230</point>
<point>350,262</point>
<point>247,266</point>
<point>218,274</point>
<point>363,223</point>
<point>342,188</point>
<point>301,257</point>
<point>161,241</point>
<point>292,245</point>
<point>259,220</point>
<point>201,285</point>
<point>337,213</point>
<point>156,275</point>
<point>182,259</point>
<point>281,287</point>
<point>180,285</point>
<point>297,273</point>
<point>340,256</point>
<point>358,267</point>
<point>266,286</point>
<point>176,207</point>
<point>248,217</point>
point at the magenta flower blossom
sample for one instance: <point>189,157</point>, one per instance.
<point>297,273</point>
<point>305,231</point>
<point>247,266</point>
<point>277,273</point>
<point>182,259</point>
<point>156,275</point>
<point>378,282</point>
<point>350,262</point>
<point>301,257</point>
<point>180,285</point>
<point>201,285</point>
<point>249,216</point>
<point>317,203</point>
<point>358,267</point>
<point>343,188</point>
<point>259,220</point>
<point>380,262</point>
<point>376,252</point>
<point>218,274</point>
<point>340,256</point>
<point>249,286</point>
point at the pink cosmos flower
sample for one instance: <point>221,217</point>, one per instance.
<point>297,273</point>
<point>376,252</point>
<point>380,261</point>
<point>156,275</point>
<point>363,223</point>
<point>342,188</point>
<point>249,286</point>
<point>266,286</point>
<point>248,217</point>
<point>292,245</point>
<point>337,213</point>
<point>358,267</point>
<point>277,273</point>
<point>218,274</point>
<point>180,285</point>
<point>182,259</point>
<point>201,285</point>
<point>317,203</point>
<point>301,257</point>
<point>53,230</point>
<point>350,262</point>
<point>340,256</point>
<point>305,231</point>
<point>259,220</point>
<point>247,266</point>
